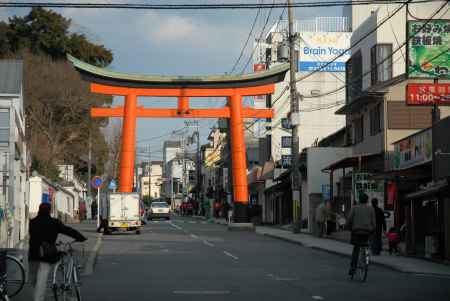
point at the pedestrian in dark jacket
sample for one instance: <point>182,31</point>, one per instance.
<point>376,242</point>
<point>44,230</point>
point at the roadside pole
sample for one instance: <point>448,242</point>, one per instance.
<point>149,173</point>
<point>98,206</point>
<point>294,120</point>
<point>435,117</point>
<point>89,190</point>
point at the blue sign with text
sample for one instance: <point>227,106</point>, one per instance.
<point>313,66</point>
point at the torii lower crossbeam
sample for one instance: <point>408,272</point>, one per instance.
<point>233,87</point>
<point>234,111</point>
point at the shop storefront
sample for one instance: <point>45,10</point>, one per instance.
<point>423,201</point>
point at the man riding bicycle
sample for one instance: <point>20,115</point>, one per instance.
<point>361,222</point>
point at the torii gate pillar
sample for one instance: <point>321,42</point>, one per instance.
<point>230,86</point>
<point>238,159</point>
<point>128,148</point>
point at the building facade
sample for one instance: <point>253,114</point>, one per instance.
<point>14,160</point>
<point>318,42</point>
<point>152,180</point>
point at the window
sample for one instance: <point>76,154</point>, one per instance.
<point>286,161</point>
<point>359,129</point>
<point>286,141</point>
<point>353,72</point>
<point>285,124</point>
<point>381,63</point>
<point>375,120</point>
<point>4,126</point>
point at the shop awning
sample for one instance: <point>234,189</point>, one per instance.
<point>429,191</point>
<point>353,161</point>
<point>418,172</point>
<point>361,101</point>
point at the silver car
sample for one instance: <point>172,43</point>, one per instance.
<point>159,210</point>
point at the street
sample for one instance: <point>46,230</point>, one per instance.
<point>192,259</point>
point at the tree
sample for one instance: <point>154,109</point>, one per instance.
<point>58,118</point>
<point>47,32</point>
<point>57,101</point>
<point>114,145</point>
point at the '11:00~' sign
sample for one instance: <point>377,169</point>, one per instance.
<point>428,94</point>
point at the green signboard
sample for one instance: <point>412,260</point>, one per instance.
<point>429,49</point>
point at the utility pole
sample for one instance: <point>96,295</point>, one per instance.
<point>294,118</point>
<point>89,191</point>
<point>199,171</point>
<point>149,173</point>
<point>435,117</point>
<point>183,151</point>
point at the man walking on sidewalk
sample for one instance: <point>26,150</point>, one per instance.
<point>42,254</point>
<point>322,212</point>
<point>376,242</point>
<point>361,222</point>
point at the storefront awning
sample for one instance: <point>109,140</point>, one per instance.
<point>353,161</point>
<point>418,172</point>
<point>361,101</point>
<point>429,191</point>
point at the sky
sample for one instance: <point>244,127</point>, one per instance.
<point>175,42</point>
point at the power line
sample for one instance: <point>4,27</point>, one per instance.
<point>246,42</point>
<point>351,83</point>
<point>187,6</point>
<point>259,39</point>
<point>157,137</point>
<point>356,43</point>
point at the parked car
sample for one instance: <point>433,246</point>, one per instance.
<point>159,210</point>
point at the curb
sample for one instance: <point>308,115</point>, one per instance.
<point>90,263</point>
<point>282,239</point>
<point>397,269</point>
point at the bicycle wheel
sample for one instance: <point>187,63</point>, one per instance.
<point>4,298</point>
<point>76,284</point>
<point>59,283</point>
<point>15,275</point>
<point>363,265</point>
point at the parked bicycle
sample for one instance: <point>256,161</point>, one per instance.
<point>362,266</point>
<point>12,277</point>
<point>66,281</point>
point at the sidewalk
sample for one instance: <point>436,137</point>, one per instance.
<point>86,254</point>
<point>399,263</point>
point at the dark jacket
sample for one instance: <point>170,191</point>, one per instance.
<point>380,219</point>
<point>46,228</point>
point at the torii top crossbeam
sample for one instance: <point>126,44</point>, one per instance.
<point>234,87</point>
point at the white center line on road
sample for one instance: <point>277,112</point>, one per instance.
<point>231,255</point>
<point>317,297</point>
<point>208,243</point>
<point>175,226</point>
<point>193,236</point>
<point>201,292</point>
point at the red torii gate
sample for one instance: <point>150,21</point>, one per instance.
<point>233,87</point>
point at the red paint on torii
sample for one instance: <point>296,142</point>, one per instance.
<point>232,87</point>
<point>235,111</point>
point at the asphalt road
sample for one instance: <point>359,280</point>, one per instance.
<point>188,259</point>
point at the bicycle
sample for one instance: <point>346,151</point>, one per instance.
<point>362,266</point>
<point>66,281</point>
<point>12,279</point>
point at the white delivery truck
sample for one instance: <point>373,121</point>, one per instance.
<point>124,212</point>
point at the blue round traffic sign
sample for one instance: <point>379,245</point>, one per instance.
<point>96,182</point>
